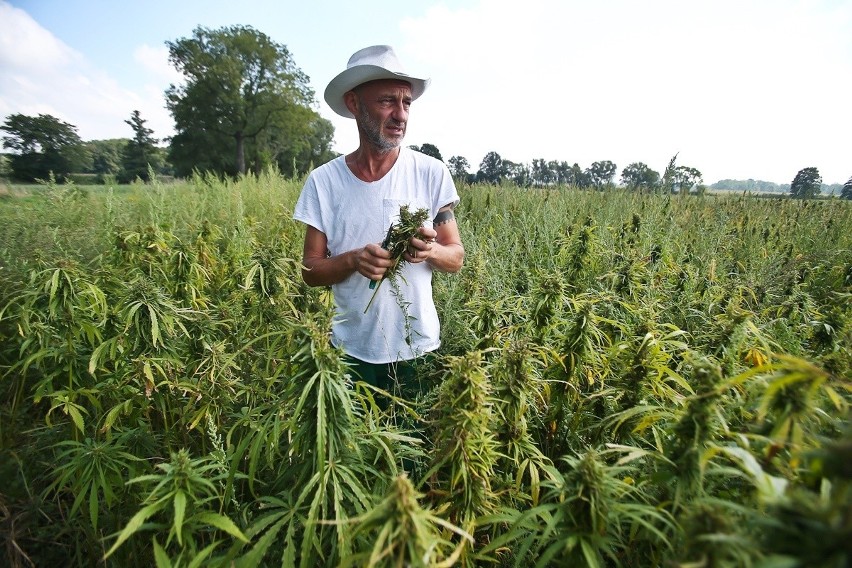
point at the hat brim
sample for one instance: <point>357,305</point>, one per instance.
<point>360,74</point>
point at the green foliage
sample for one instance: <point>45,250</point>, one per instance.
<point>601,173</point>
<point>750,185</point>
<point>429,150</point>
<point>492,169</point>
<point>5,166</point>
<point>626,379</point>
<point>244,100</point>
<point>43,144</point>
<point>396,243</point>
<point>106,156</point>
<point>466,451</point>
<point>139,156</point>
<point>184,493</point>
<point>592,514</point>
<point>806,184</point>
<point>399,532</point>
<point>638,176</point>
<point>459,167</point>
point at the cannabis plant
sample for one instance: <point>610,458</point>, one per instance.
<point>398,532</point>
<point>465,447</point>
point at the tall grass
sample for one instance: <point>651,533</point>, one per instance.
<point>625,380</point>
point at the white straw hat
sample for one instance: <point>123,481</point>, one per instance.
<point>369,64</point>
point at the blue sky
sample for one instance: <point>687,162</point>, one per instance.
<point>737,88</point>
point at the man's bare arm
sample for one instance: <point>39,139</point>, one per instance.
<point>320,269</point>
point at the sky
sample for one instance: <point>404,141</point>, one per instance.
<point>738,89</point>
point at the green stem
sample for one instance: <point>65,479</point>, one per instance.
<point>373,297</point>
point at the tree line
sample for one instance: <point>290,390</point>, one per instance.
<point>495,169</point>
<point>45,146</point>
<point>636,176</point>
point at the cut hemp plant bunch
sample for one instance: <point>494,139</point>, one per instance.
<point>396,242</point>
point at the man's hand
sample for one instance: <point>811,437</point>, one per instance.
<point>372,261</point>
<point>440,246</point>
<point>420,248</point>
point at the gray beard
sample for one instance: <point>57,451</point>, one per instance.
<point>373,132</point>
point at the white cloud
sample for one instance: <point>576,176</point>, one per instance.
<point>41,74</point>
<point>26,46</point>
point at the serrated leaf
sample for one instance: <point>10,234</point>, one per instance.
<point>221,522</point>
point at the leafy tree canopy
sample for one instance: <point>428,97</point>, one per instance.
<point>458,166</point>
<point>491,169</point>
<point>106,155</point>
<point>750,185</point>
<point>806,184</point>
<point>431,150</point>
<point>30,134</point>
<point>43,144</point>
<point>542,172</point>
<point>638,176</point>
<point>295,147</point>
<point>601,173</point>
<point>684,178</point>
<point>520,174</point>
<point>573,175</point>
<point>243,93</point>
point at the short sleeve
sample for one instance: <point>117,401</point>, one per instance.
<point>308,208</point>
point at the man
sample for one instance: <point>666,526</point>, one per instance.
<point>348,205</point>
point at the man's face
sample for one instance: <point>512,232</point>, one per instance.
<point>383,112</point>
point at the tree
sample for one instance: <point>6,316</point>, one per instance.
<point>43,144</point>
<point>106,156</point>
<point>298,147</point>
<point>577,177</point>
<point>846,192</point>
<point>316,149</point>
<point>638,176</point>
<point>520,174</point>
<point>141,152</point>
<point>542,172</point>
<point>601,173</point>
<point>239,84</point>
<point>491,169</point>
<point>458,166</point>
<point>431,150</point>
<point>806,184</point>
<point>685,178</point>
<point>564,173</point>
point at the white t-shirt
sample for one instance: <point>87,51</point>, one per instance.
<point>352,213</point>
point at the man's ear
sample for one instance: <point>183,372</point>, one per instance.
<point>350,99</point>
